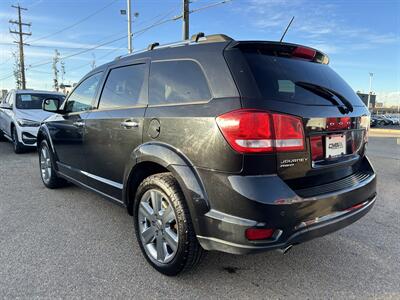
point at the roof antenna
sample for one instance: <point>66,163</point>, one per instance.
<point>287,28</point>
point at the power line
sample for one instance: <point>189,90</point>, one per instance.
<point>143,30</point>
<point>209,6</point>
<point>76,23</point>
<point>106,43</point>
<point>7,77</point>
<point>80,52</point>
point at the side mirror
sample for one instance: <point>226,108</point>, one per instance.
<point>51,105</point>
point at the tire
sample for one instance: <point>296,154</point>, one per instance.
<point>46,165</point>
<point>2,138</point>
<point>18,146</point>
<point>188,252</point>
<point>381,123</point>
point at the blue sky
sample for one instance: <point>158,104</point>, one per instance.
<point>359,36</point>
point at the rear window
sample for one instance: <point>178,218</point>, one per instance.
<point>180,81</point>
<point>34,101</point>
<point>276,78</point>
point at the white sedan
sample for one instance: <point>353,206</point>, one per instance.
<point>21,115</point>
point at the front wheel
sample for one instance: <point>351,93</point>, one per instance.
<point>47,171</point>
<point>18,146</point>
<point>163,226</point>
<point>2,138</point>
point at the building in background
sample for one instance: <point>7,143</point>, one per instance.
<point>3,94</point>
<point>364,98</point>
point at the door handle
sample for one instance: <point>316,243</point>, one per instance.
<point>129,124</point>
<point>79,124</point>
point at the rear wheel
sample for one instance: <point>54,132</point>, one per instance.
<point>18,146</point>
<point>47,171</point>
<point>163,226</point>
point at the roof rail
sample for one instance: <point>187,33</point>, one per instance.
<point>196,38</point>
<point>153,45</point>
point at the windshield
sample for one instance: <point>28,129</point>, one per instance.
<point>34,101</point>
<point>276,78</point>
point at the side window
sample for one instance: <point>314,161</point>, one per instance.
<point>81,98</point>
<point>124,87</point>
<point>178,81</point>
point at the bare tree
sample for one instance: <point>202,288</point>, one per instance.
<point>16,71</point>
<point>62,64</point>
<point>56,60</point>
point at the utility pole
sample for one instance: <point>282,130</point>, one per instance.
<point>20,42</point>
<point>370,89</point>
<point>128,5</point>
<point>185,18</point>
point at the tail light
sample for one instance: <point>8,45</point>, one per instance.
<point>254,131</point>
<point>317,148</point>
<point>254,234</point>
<point>305,53</point>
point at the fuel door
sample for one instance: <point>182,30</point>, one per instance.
<point>154,129</point>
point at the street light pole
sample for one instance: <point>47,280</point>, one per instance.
<point>128,11</point>
<point>370,88</point>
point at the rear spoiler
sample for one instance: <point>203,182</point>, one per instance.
<point>283,49</point>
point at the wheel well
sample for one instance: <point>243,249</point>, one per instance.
<point>136,176</point>
<point>40,138</point>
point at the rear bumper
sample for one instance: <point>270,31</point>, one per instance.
<point>307,233</point>
<point>295,219</point>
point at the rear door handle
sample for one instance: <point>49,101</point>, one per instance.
<point>79,124</point>
<point>129,124</point>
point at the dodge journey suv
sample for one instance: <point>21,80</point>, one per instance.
<point>215,144</point>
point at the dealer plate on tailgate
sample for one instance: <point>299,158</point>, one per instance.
<point>335,145</point>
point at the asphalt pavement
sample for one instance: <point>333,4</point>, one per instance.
<point>71,243</point>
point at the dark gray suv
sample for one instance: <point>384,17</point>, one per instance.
<point>215,144</point>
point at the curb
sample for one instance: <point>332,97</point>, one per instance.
<point>383,130</point>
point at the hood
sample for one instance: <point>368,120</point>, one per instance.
<point>37,115</point>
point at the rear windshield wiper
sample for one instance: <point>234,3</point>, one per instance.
<point>335,98</point>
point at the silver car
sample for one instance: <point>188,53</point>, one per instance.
<point>21,114</point>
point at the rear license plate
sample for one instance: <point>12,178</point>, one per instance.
<point>335,145</point>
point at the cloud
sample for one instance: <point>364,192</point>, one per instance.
<point>392,97</point>
<point>322,23</point>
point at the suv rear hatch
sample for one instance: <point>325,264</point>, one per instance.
<point>295,80</point>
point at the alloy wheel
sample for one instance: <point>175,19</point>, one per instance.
<point>45,164</point>
<point>158,226</point>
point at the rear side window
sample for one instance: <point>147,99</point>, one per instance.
<point>180,81</point>
<point>276,79</point>
<point>125,87</point>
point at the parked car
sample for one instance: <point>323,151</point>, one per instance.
<point>381,120</point>
<point>373,122</point>
<point>21,114</point>
<point>215,144</point>
<point>394,120</point>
